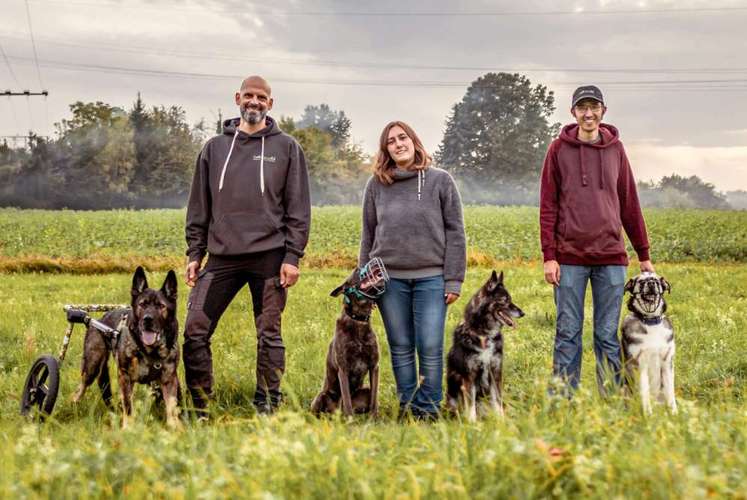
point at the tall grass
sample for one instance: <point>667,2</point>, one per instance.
<point>543,447</point>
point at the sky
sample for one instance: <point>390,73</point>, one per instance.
<point>674,73</point>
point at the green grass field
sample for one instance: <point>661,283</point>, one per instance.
<point>542,448</point>
<point>117,241</point>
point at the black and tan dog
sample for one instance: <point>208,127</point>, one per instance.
<point>474,365</point>
<point>353,354</point>
<point>146,351</point>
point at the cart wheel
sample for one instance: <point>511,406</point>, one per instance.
<point>40,390</point>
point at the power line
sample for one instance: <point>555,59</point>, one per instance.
<point>7,63</point>
<point>668,84</point>
<point>33,44</point>
<point>485,13</point>
<point>402,66</point>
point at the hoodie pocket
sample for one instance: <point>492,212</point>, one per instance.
<point>245,232</point>
<point>591,231</point>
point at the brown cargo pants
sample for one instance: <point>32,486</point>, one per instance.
<point>217,285</point>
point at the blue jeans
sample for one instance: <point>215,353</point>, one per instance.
<point>414,313</point>
<point>607,288</point>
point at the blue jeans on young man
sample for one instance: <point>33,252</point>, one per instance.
<point>607,288</point>
<point>414,313</point>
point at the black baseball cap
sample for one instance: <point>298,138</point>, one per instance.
<point>587,92</point>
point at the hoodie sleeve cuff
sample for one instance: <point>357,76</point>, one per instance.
<point>291,258</point>
<point>196,256</point>
<point>453,286</point>
<point>643,255</point>
<point>549,254</point>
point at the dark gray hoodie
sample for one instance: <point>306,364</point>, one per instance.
<point>250,193</point>
<point>415,226</point>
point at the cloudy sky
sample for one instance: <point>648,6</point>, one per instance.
<point>674,73</point>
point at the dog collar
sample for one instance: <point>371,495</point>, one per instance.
<point>651,321</point>
<point>356,317</point>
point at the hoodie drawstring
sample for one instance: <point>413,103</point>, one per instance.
<point>228,158</point>
<point>584,178</point>
<point>262,168</point>
<point>421,181</point>
<point>261,165</point>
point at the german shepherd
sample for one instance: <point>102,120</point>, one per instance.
<point>648,341</point>
<point>353,353</point>
<point>475,362</point>
<point>146,351</point>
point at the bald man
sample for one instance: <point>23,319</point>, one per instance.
<point>249,210</point>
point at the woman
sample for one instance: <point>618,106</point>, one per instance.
<point>412,220</point>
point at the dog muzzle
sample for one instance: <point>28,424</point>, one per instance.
<point>373,280</point>
<point>648,292</point>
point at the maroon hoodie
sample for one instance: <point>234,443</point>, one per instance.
<point>587,196</point>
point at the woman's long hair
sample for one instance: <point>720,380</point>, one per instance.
<point>384,163</point>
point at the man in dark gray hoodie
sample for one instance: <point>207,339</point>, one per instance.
<point>249,209</point>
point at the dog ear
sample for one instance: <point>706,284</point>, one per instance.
<point>169,286</point>
<point>630,285</point>
<point>139,282</point>
<point>665,285</point>
<point>337,291</point>
<point>493,282</point>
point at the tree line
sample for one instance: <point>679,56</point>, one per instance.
<point>494,143</point>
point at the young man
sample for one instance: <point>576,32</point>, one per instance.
<point>587,196</point>
<point>249,208</point>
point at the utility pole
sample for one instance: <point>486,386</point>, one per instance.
<point>28,138</point>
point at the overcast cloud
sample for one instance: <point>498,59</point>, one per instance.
<point>377,62</point>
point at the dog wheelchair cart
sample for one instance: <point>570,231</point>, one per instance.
<point>43,381</point>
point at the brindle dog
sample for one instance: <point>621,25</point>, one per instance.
<point>353,353</point>
<point>146,351</point>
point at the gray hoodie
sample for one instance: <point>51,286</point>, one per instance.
<point>415,226</point>
<point>250,193</point>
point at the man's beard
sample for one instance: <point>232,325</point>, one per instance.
<point>253,116</point>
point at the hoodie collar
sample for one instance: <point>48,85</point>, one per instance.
<point>231,127</point>
<point>609,134</point>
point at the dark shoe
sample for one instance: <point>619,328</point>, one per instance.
<point>265,408</point>
<point>267,405</point>
<point>424,416</point>
<point>200,399</point>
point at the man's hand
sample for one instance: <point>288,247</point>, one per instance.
<point>552,272</point>
<point>647,266</point>
<point>192,269</point>
<point>450,298</point>
<point>288,275</point>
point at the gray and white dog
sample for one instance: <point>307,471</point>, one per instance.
<point>648,340</point>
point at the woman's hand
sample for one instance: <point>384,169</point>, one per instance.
<point>451,298</point>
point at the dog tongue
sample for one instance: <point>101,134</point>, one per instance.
<point>149,338</point>
<point>507,319</point>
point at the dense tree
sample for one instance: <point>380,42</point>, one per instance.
<point>326,119</point>
<point>675,191</point>
<point>497,136</point>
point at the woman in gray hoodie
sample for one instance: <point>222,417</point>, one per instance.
<point>412,220</point>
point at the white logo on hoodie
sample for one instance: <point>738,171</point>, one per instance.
<point>270,159</point>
